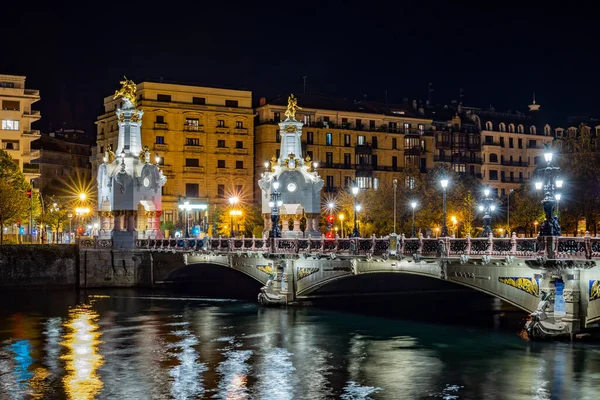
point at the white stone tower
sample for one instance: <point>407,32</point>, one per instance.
<point>129,185</point>
<point>299,184</point>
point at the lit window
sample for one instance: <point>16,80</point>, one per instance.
<point>329,139</point>
<point>239,124</point>
<point>361,141</point>
<point>10,125</point>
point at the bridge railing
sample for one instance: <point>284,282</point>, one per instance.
<point>553,247</point>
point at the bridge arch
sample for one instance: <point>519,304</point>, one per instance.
<point>336,285</point>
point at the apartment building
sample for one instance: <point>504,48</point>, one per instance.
<point>367,142</point>
<point>64,161</point>
<point>203,138</point>
<point>16,117</point>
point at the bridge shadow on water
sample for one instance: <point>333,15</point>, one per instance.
<point>396,296</point>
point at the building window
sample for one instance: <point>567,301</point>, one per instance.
<point>501,141</point>
<point>394,144</point>
<point>239,144</point>
<point>325,119</point>
<point>536,160</point>
<point>277,117</point>
<point>277,136</point>
<point>239,164</point>
<point>10,125</point>
<point>231,103</point>
<point>511,143</point>
<point>163,97</point>
<point>532,130</point>
<point>511,128</point>
<point>361,141</point>
<point>307,120</point>
<point>192,123</point>
<point>359,124</point>
<point>191,190</point>
<point>394,163</point>
<point>520,129</point>
<point>7,84</point>
<point>489,126</point>
<point>329,159</point>
<point>239,189</point>
<point>192,142</point>
<point>493,158</point>
<point>160,140</point>
<point>220,163</point>
<point>347,140</point>
<point>520,143</point>
<point>374,142</point>
<point>11,105</point>
<point>406,127</point>
<point>347,160</point>
<point>421,128</point>
<point>547,130</point>
<point>192,162</point>
<point>459,167</point>
<point>329,139</point>
<point>278,153</point>
<point>502,127</point>
<point>347,181</point>
<point>239,125</point>
<point>221,191</point>
<point>309,137</point>
<point>493,175</point>
<point>221,143</point>
<point>160,119</point>
<point>221,123</point>
<point>199,100</point>
<point>329,181</point>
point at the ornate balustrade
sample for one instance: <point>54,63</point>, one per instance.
<point>551,247</point>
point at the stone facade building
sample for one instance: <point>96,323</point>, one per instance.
<point>64,161</point>
<point>16,117</point>
<point>204,139</point>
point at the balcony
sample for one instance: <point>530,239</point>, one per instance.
<point>33,154</point>
<point>336,166</point>
<point>193,149</point>
<point>414,150</point>
<point>193,128</point>
<point>161,147</point>
<point>442,144</point>
<point>497,144</point>
<point>197,170</point>
<point>222,150</point>
<point>515,163</point>
<point>29,168</point>
<point>364,170</point>
<point>459,159</point>
<point>222,171</point>
<point>240,171</point>
<point>240,151</point>
<point>330,189</point>
<point>161,126</point>
<point>538,147</point>
<point>31,114</point>
<point>32,133</point>
<point>512,180</point>
<point>31,92</point>
<point>364,149</point>
<point>388,169</point>
<point>240,131</point>
<point>222,129</point>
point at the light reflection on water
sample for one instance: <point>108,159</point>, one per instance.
<point>147,348</point>
<point>82,360</point>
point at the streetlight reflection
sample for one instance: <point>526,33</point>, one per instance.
<point>82,380</point>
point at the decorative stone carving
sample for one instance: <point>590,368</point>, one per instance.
<point>509,259</point>
<point>526,284</point>
<point>571,296</point>
<point>464,259</point>
<point>485,260</point>
<point>444,269</point>
<point>354,265</point>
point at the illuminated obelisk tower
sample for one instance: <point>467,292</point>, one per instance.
<point>294,182</point>
<point>129,185</point>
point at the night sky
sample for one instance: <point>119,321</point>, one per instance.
<point>76,55</point>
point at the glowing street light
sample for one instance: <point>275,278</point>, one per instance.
<point>413,205</point>
<point>233,201</point>
<point>342,223</point>
<point>444,183</point>
<point>551,181</point>
<point>82,196</point>
<point>487,207</point>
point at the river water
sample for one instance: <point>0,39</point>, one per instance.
<point>138,345</point>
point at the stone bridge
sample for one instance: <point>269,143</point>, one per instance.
<point>520,271</point>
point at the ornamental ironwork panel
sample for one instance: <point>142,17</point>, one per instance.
<point>329,245</point>
<point>238,244</point>
<point>214,244</point>
<point>258,243</point>
<point>411,246</point>
<point>285,244</point>
<point>365,245</point>
<point>344,245</point>
<point>302,244</point>
<point>527,246</point>
<point>248,243</point>
<point>502,245</point>
<point>172,243</point>
<point>480,246</point>
<point>570,246</point>
<point>430,246</point>
<point>316,245</point>
<point>224,244</point>
<point>381,246</point>
<point>458,246</point>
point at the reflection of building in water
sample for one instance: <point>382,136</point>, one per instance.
<point>83,359</point>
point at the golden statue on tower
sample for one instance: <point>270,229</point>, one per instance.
<point>127,91</point>
<point>292,107</point>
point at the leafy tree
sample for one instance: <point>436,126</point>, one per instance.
<point>526,209</point>
<point>14,203</point>
<point>250,218</point>
<point>55,214</point>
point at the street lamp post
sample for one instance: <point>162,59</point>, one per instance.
<point>508,209</point>
<point>355,189</point>
<point>454,221</point>
<point>275,203</point>
<point>557,197</point>
<point>487,208</point>
<point>342,223</point>
<point>551,182</point>
<point>233,201</point>
<point>356,211</point>
<point>70,215</point>
<point>413,205</point>
<point>395,182</point>
<point>444,183</point>
<point>330,207</point>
